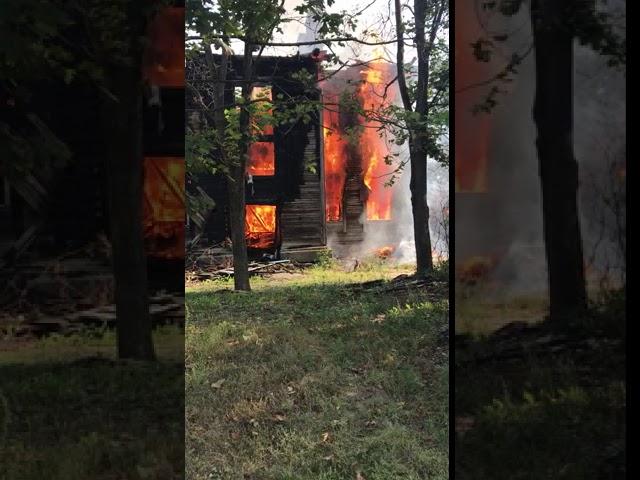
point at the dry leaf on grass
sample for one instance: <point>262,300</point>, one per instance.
<point>218,384</point>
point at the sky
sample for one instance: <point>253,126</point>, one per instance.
<point>372,24</point>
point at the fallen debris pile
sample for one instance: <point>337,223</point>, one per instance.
<point>222,270</point>
<point>55,287</point>
<point>518,341</point>
<point>215,256</point>
<point>164,309</point>
<point>435,289</point>
<point>66,294</point>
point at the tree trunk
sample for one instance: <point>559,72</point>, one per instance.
<point>237,168</point>
<point>125,186</point>
<point>237,209</point>
<point>420,210</point>
<point>417,152</point>
<point>553,115</point>
<point>418,185</point>
<point>237,185</point>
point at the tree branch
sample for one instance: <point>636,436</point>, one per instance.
<point>402,81</point>
<point>323,41</point>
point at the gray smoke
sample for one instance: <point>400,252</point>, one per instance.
<point>506,221</point>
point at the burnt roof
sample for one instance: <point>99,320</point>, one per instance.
<point>273,68</point>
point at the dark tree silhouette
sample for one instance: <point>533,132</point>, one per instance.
<point>107,56</point>
<point>556,25</point>
<point>553,115</point>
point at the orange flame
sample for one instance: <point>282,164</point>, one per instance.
<point>260,226</point>
<point>261,159</point>
<point>335,157</point>
<point>384,252</point>
<point>373,148</point>
<point>475,269</point>
<point>163,207</point>
<point>473,132</point>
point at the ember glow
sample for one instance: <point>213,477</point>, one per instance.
<point>335,159</point>
<point>164,57</point>
<point>374,149</point>
<point>475,269</point>
<point>260,226</point>
<point>261,159</point>
<point>384,252</point>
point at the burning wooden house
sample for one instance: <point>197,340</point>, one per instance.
<point>314,182</point>
<point>164,166</point>
<point>284,189</point>
<point>498,223</point>
<point>357,157</point>
<point>477,210</point>
<point>62,208</point>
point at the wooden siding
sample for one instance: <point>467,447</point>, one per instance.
<point>302,219</point>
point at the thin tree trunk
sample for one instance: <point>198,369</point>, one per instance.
<point>417,137</point>
<point>417,156</point>
<point>420,210</point>
<point>237,196</point>
<point>237,167</point>
<point>125,189</point>
<point>553,115</point>
<point>237,209</point>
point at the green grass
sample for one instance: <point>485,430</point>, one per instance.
<point>308,378</point>
<point>479,312</point>
<point>69,410</point>
<point>94,342</point>
<point>554,415</point>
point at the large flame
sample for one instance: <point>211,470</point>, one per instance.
<point>376,93</point>
<point>376,96</point>
<point>335,158</point>
<point>164,208</point>
<point>260,226</point>
<point>261,159</point>
<point>472,130</point>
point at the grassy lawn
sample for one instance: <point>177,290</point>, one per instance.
<point>556,412</point>
<point>309,377</point>
<point>69,411</point>
<point>480,314</point>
